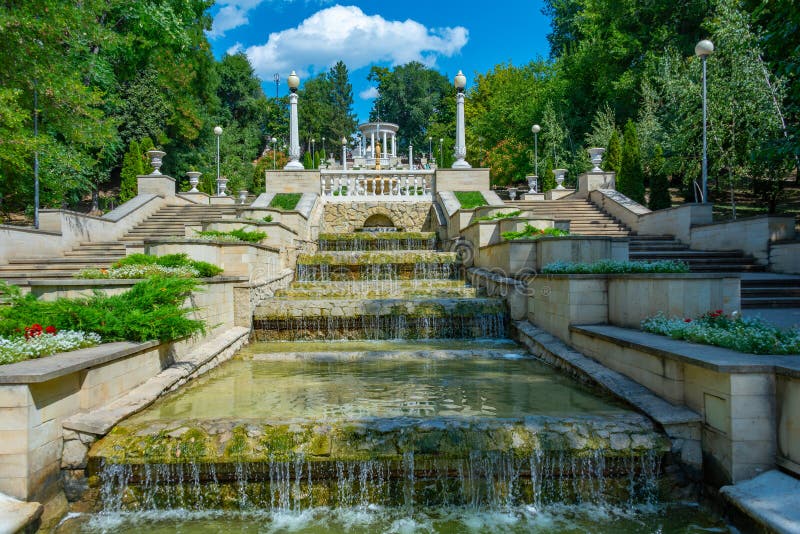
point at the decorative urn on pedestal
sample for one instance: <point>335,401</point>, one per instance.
<point>194,179</point>
<point>155,160</point>
<point>559,173</point>
<point>596,155</point>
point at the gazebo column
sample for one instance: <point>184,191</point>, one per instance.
<point>373,143</point>
<point>385,146</point>
<point>394,145</point>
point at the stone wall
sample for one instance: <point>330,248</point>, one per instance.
<point>785,257</point>
<point>350,216</point>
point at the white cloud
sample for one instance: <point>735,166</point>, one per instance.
<point>346,33</point>
<point>235,49</point>
<point>233,13</point>
<point>369,93</point>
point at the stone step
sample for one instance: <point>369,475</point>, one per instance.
<point>66,261</point>
<point>770,291</point>
<point>771,302</point>
<point>377,289</point>
<point>690,255</point>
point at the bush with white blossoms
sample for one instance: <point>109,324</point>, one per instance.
<point>138,271</point>
<point>742,334</point>
<point>16,349</point>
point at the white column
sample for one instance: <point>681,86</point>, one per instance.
<point>411,157</point>
<point>394,145</point>
<point>373,143</point>
<point>385,146</point>
<point>461,142</point>
<point>294,136</point>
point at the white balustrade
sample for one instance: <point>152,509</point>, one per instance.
<point>384,185</point>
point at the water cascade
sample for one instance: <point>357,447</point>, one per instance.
<point>398,404</point>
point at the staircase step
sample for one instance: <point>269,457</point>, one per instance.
<point>771,302</point>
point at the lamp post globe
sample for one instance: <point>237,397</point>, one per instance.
<point>460,81</point>
<point>704,48</point>
<point>536,128</point>
<point>293,81</point>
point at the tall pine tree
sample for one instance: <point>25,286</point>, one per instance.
<point>132,166</point>
<point>630,180</point>
<point>659,185</point>
<point>612,162</point>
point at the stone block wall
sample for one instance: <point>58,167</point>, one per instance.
<point>350,216</point>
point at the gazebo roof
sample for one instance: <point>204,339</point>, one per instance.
<point>368,128</point>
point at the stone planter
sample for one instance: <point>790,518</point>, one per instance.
<point>194,179</point>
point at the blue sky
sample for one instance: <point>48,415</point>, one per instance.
<point>311,35</point>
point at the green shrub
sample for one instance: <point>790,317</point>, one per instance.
<point>470,199</point>
<point>136,259</point>
<point>285,201</point>
<point>499,216</point>
<point>150,310</point>
<point>173,261</point>
<point>268,218</point>
<point>240,234</point>
<point>743,334</point>
<point>616,267</point>
<point>531,232</point>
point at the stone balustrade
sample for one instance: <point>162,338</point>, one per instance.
<point>398,185</point>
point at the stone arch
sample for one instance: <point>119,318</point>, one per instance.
<point>377,216</point>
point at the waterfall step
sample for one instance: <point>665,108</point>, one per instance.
<point>377,241</point>
<point>378,289</point>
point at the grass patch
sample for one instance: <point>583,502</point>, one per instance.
<point>616,267</point>
<point>285,201</point>
<point>235,236</point>
<point>531,232</point>
<point>499,216</point>
<point>151,309</point>
<point>470,199</point>
<point>742,334</point>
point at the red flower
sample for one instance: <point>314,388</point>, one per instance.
<point>33,330</point>
<point>51,330</point>
<point>687,320</point>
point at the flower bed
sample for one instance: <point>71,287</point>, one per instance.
<point>531,232</point>
<point>144,266</point>
<point>616,267</point>
<point>742,334</point>
<point>233,236</point>
<point>152,309</point>
<point>38,342</point>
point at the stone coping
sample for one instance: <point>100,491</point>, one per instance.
<point>717,359</point>
<point>546,346</point>
<point>518,218</point>
<point>122,281</point>
<point>28,229</point>
<point>190,241</point>
<point>574,237</point>
<point>250,223</point>
<point>644,276</point>
<point>132,205</point>
<point>771,499</point>
<point>49,367</point>
<point>265,209</point>
<point>745,219</point>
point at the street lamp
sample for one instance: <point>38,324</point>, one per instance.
<point>344,153</point>
<point>218,133</point>
<point>536,129</point>
<point>313,154</point>
<point>441,151</point>
<point>293,81</point>
<point>273,141</point>
<point>703,49</point>
<point>323,148</point>
<point>430,146</point>
<point>460,151</point>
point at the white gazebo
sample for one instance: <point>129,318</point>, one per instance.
<point>384,133</point>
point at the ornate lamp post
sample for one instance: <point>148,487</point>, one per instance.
<point>461,143</point>
<point>411,157</point>
<point>218,133</point>
<point>313,154</point>
<point>293,81</point>
<point>344,153</point>
<point>703,49</point>
<point>274,147</point>
<point>430,146</point>
<point>323,148</point>
<point>536,129</point>
<point>441,150</point>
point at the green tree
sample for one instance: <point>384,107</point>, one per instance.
<point>659,184</point>
<point>613,154</point>
<point>132,166</point>
<point>630,180</point>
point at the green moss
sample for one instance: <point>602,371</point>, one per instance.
<point>285,201</point>
<point>239,444</point>
<point>374,258</point>
<point>470,200</point>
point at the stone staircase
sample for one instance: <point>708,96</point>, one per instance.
<point>171,221</point>
<point>760,289</point>
<point>585,217</point>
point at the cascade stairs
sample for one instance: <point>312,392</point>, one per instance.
<point>585,217</point>
<point>169,221</point>
<point>760,289</point>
